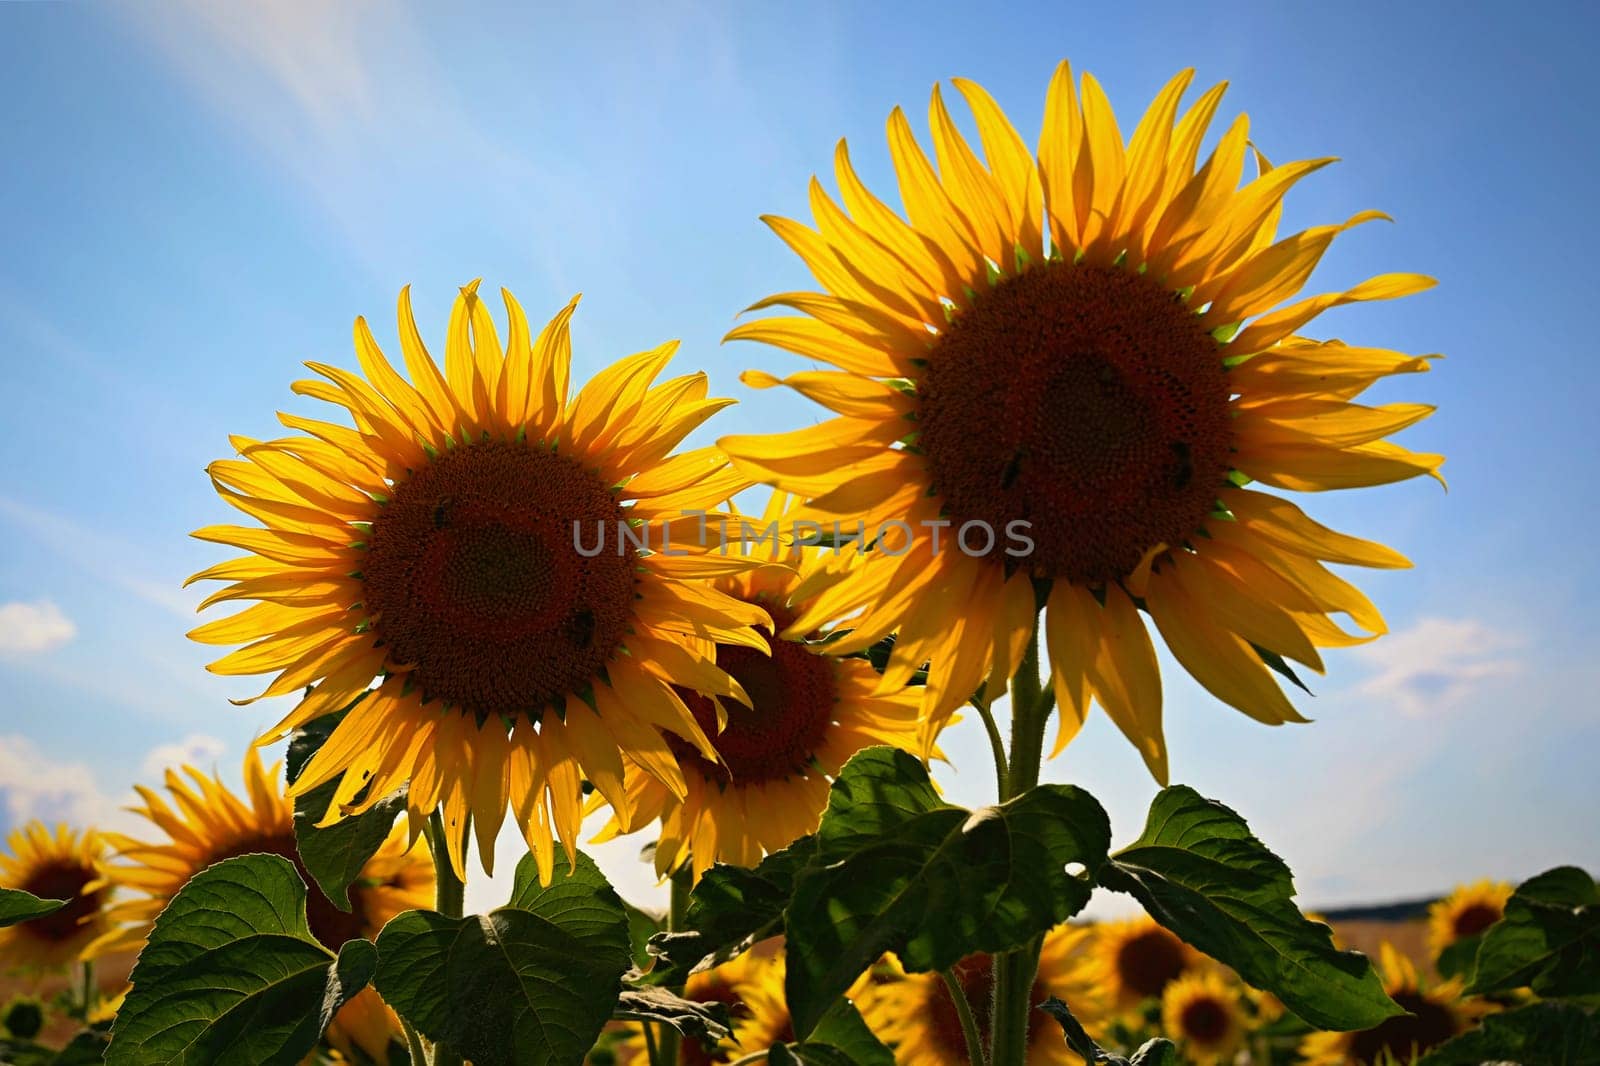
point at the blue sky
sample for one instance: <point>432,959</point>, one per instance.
<point>199,198</point>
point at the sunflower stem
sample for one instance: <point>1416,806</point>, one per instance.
<point>1014,971</point>
<point>677,910</point>
<point>413,1043</point>
<point>449,898</point>
<point>90,989</point>
<point>997,745</point>
<point>969,1025</point>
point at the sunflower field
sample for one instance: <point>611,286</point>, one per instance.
<point>1068,395</point>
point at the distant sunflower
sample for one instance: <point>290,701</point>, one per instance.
<point>914,1014</point>
<point>1435,1015</point>
<point>1205,1014</point>
<point>1467,911</point>
<point>210,824</point>
<point>1135,960</point>
<point>63,864</point>
<point>1076,363</point>
<point>808,713</point>
<point>751,986</point>
<point>436,547</point>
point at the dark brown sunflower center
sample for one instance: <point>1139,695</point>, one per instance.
<point>792,694</point>
<point>712,990</point>
<point>61,880</point>
<point>1086,402</point>
<point>1475,918</point>
<point>1205,1021</point>
<point>1149,961</point>
<point>975,975</point>
<point>330,925</point>
<point>1429,1025</point>
<point>474,577</point>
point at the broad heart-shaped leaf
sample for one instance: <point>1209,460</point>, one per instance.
<point>19,906</point>
<point>1548,938</point>
<point>897,869</point>
<point>1540,1034</point>
<point>730,909</point>
<point>232,974</point>
<point>531,983</point>
<point>1156,1052</point>
<point>334,855</point>
<point>692,1019</point>
<point>1199,872</point>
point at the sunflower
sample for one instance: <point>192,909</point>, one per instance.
<point>63,864</point>
<point>808,713</point>
<point>1436,1013</point>
<point>1467,911</point>
<point>914,1014</point>
<point>208,823</point>
<point>1071,365</point>
<point>1204,1013</point>
<point>1134,961</point>
<point>751,985</point>
<point>506,560</point>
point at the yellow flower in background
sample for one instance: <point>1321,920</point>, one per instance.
<point>1082,358</point>
<point>436,547</point>
<point>1135,960</point>
<point>914,1014</point>
<point>1204,1013</point>
<point>1467,911</point>
<point>751,985</point>
<point>207,823</point>
<point>54,864</point>
<point>809,713</point>
<point>1436,1013</point>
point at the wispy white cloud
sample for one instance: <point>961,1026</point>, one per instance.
<point>1432,666</point>
<point>33,785</point>
<point>196,749</point>
<point>32,628</point>
<point>104,557</point>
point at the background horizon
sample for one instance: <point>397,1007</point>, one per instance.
<point>201,198</point>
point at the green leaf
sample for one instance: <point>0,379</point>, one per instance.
<point>841,1038</point>
<point>88,1048</point>
<point>232,973</point>
<point>730,909</point>
<point>532,983</point>
<point>1157,1052</point>
<point>1457,959</point>
<point>335,855</point>
<point>1199,872</point>
<point>19,906</point>
<point>897,869</point>
<point>1540,1034</point>
<point>1548,939</point>
<point>695,1020</point>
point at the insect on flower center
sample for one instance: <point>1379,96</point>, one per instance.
<point>792,694</point>
<point>1087,402</point>
<point>62,880</point>
<point>475,582</point>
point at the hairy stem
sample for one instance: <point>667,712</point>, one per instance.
<point>682,884</point>
<point>449,896</point>
<point>1014,971</point>
<point>969,1025</point>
